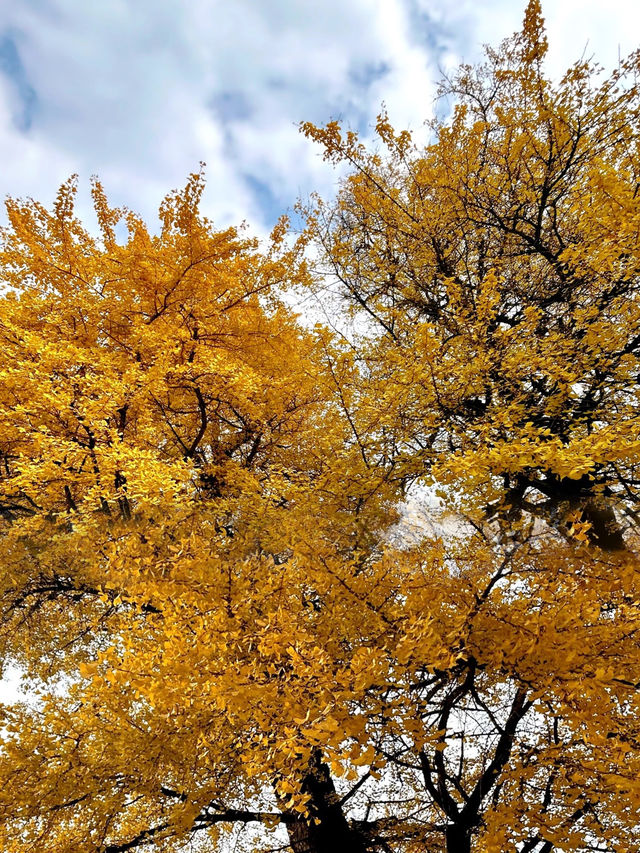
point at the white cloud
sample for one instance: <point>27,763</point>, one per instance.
<point>139,91</point>
<point>573,27</point>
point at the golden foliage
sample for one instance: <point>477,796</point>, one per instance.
<point>199,579</point>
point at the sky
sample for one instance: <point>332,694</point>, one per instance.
<point>140,91</point>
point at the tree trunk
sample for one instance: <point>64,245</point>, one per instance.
<point>326,829</point>
<point>458,838</point>
<point>605,529</point>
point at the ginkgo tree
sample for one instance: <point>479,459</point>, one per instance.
<point>499,267</point>
<point>224,636</point>
<point>496,272</point>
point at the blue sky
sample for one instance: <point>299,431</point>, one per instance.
<point>140,91</point>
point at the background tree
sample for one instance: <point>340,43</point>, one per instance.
<point>495,274</point>
<point>198,579</point>
<point>500,269</point>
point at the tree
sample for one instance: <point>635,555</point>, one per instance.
<point>506,255</point>
<point>199,579</point>
<point>496,275</point>
<point>165,430</point>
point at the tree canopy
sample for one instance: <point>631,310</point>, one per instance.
<point>226,637</point>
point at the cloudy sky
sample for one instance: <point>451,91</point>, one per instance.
<point>140,91</point>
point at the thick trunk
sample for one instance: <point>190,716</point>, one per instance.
<point>576,495</point>
<point>326,830</point>
<point>458,838</point>
<point>605,529</point>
